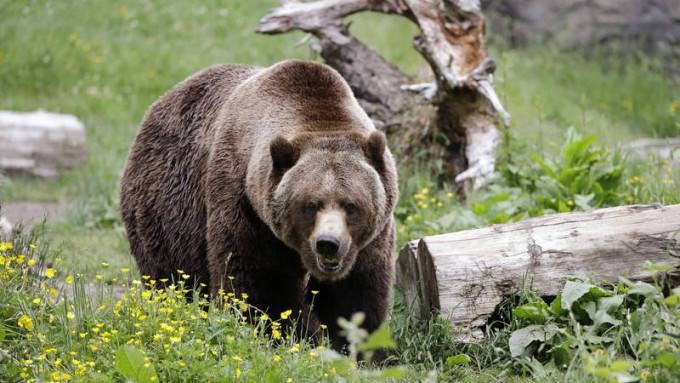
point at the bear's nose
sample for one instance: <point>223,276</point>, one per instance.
<point>327,245</point>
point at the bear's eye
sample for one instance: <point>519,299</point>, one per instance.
<point>312,207</point>
<point>350,208</point>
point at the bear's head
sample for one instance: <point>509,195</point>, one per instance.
<point>329,200</point>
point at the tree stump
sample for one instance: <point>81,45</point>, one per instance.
<point>451,41</point>
<point>39,143</point>
<point>466,275</point>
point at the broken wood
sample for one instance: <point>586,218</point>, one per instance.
<point>452,43</point>
<point>466,275</point>
<point>38,143</point>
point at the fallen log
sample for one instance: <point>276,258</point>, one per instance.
<point>466,275</point>
<point>38,143</point>
<point>451,40</point>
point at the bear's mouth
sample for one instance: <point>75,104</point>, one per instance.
<point>329,265</point>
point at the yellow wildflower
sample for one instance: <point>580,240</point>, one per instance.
<point>286,314</point>
<point>49,273</point>
<point>25,322</point>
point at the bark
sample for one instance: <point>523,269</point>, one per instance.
<point>466,275</point>
<point>39,143</point>
<point>451,41</point>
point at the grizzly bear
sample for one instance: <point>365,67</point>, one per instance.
<point>274,177</point>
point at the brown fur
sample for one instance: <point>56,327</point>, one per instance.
<point>230,174</point>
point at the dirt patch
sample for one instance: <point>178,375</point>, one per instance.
<point>30,213</point>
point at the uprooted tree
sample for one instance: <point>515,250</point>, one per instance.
<point>452,42</point>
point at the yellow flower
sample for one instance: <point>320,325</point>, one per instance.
<point>25,322</point>
<point>99,276</point>
<point>69,279</point>
<point>314,292</point>
<point>425,190</point>
<point>125,270</point>
<point>104,264</point>
<point>236,358</point>
<point>644,375</point>
<point>289,380</point>
<point>30,262</point>
<point>449,194</point>
<point>49,273</point>
<point>31,246</point>
<point>286,314</point>
<point>276,334</point>
<point>238,372</point>
<point>276,358</point>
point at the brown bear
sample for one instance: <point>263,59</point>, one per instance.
<point>274,177</point>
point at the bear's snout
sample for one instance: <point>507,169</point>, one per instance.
<point>327,246</point>
<point>330,241</point>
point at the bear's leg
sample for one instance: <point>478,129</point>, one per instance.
<point>248,259</point>
<point>367,289</point>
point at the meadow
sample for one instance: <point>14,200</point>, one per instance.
<point>107,61</point>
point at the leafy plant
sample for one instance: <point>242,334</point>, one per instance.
<point>627,332</point>
<point>581,176</point>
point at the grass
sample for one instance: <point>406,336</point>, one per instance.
<point>615,98</point>
<point>107,61</point>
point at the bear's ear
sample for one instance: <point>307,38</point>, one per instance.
<point>374,148</point>
<point>284,154</point>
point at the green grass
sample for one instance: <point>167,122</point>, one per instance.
<point>107,61</point>
<point>616,98</point>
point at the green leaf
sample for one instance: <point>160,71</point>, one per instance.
<point>536,312</point>
<point>2,333</point>
<point>457,359</point>
<point>583,202</point>
<point>672,300</point>
<point>620,366</point>
<point>543,165</point>
<point>396,372</point>
<point>605,306</point>
<point>130,362</point>
<point>479,209</point>
<point>522,338</point>
<point>556,307</point>
<point>573,291</point>
<point>667,359</point>
<point>645,289</point>
<point>380,338</point>
<point>658,267</point>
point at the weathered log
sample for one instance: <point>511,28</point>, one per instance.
<point>451,41</point>
<point>38,143</point>
<point>466,275</point>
